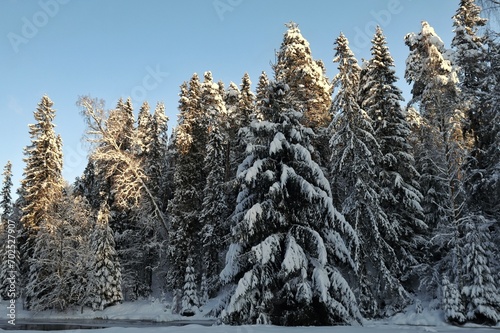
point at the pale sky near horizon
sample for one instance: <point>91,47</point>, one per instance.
<point>146,49</point>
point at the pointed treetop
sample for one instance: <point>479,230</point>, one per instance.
<point>245,82</point>
<point>305,76</point>
<point>468,17</point>
<point>143,113</point>
<point>291,25</point>
<point>194,78</point>
<point>208,76</point>
<point>5,203</point>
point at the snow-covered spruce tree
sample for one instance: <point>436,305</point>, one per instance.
<point>189,182</point>
<point>89,186</point>
<point>397,177</point>
<point>482,167</point>
<point>485,185</point>
<point>240,106</point>
<point>452,302</point>
<point>146,228</point>
<point>305,76</point>
<point>470,57</point>
<point>214,210</point>
<point>214,213</point>
<point>106,280</point>
<point>190,301</point>
<point>480,288</point>
<point>157,156</point>
<point>6,197</point>
<point>478,280</point>
<point>434,78</point>
<point>230,128</point>
<point>355,155</point>
<point>42,182</point>
<point>144,135</point>
<point>213,106</point>
<point>124,114</point>
<point>199,104</point>
<point>288,240</point>
<point>9,266</point>
<point>241,110</point>
<point>261,95</point>
<point>246,113</point>
<point>57,277</point>
<point>442,253</point>
<point>246,102</point>
<point>212,100</point>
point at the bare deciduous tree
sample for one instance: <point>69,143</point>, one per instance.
<point>123,166</point>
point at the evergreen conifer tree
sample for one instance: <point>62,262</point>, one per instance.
<point>355,155</point>
<point>261,98</point>
<point>397,177</point>
<point>42,184</point>
<point>434,77</point>
<point>480,288</point>
<point>452,302</point>
<point>6,197</point>
<point>246,103</point>
<point>189,178</point>
<point>158,154</point>
<point>470,57</point>
<point>144,135</point>
<point>190,301</point>
<point>287,237</point>
<point>214,211</point>
<point>9,266</point>
<point>106,272</point>
<point>305,76</point>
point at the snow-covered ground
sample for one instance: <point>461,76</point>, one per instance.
<point>156,311</point>
<point>275,329</point>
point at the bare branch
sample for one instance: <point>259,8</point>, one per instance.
<point>124,167</point>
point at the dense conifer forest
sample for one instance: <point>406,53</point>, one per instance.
<point>303,200</point>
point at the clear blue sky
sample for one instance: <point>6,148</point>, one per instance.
<point>147,48</point>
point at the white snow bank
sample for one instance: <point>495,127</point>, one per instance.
<point>148,309</point>
<point>275,329</point>
<point>154,310</point>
